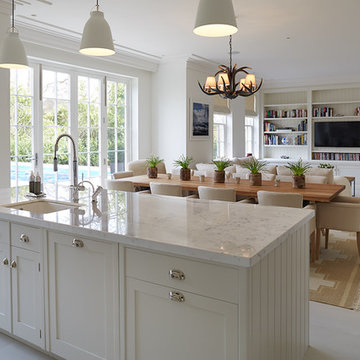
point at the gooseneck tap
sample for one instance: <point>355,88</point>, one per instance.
<point>75,163</point>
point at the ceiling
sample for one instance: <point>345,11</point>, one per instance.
<point>280,39</point>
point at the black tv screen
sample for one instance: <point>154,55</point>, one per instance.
<point>337,134</point>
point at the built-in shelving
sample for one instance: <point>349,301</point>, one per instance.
<point>343,104</point>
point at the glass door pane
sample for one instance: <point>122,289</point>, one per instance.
<point>56,121</point>
<point>21,125</point>
<point>116,131</point>
<point>89,123</point>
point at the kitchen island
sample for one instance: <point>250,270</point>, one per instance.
<point>143,277</point>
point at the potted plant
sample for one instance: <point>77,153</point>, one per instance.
<point>219,175</point>
<point>184,163</point>
<point>152,162</point>
<point>298,170</point>
<point>254,166</point>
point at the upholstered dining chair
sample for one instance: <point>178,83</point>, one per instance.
<point>343,213</point>
<point>165,189</point>
<point>269,198</point>
<point>120,185</point>
<point>209,193</point>
<point>341,180</point>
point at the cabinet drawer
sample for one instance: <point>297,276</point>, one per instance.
<point>215,281</point>
<point>4,232</point>
<point>26,237</point>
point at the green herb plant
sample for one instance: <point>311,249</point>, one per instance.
<point>221,164</point>
<point>254,165</point>
<point>153,161</point>
<point>298,168</point>
<point>183,161</point>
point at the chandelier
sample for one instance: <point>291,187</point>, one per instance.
<point>226,85</point>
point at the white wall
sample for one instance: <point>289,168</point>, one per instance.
<point>5,107</point>
<point>169,111</point>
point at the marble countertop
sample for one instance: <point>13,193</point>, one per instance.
<point>228,233</point>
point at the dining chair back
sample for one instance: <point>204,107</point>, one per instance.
<point>209,193</point>
<point>165,189</point>
<point>269,198</point>
<point>119,185</point>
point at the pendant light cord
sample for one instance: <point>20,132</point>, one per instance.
<point>13,15</point>
<point>230,43</point>
<point>97,5</point>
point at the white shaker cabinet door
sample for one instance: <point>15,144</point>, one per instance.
<point>188,327</point>
<point>5,288</point>
<point>83,286</point>
<point>27,296</point>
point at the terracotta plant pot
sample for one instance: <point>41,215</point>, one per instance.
<point>255,179</point>
<point>219,176</point>
<point>185,174</point>
<point>152,172</point>
<point>298,182</point>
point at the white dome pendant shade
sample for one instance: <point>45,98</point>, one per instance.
<point>12,53</point>
<point>97,39</point>
<point>215,18</point>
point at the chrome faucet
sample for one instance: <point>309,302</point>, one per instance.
<point>75,163</point>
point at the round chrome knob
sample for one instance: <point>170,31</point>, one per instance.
<point>24,238</point>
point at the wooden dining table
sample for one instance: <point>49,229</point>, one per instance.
<point>311,192</point>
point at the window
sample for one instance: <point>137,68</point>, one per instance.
<point>219,135</point>
<point>249,135</point>
<point>56,121</point>
<point>73,102</point>
<point>21,125</point>
<point>116,115</point>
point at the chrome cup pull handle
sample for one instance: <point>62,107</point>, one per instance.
<point>176,274</point>
<point>13,264</point>
<point>5,261</point>
<point>176,296</point>
<point>77,243</point>
<point>24,238</point>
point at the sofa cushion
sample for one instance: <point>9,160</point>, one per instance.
<point>205,167</point>
<point>241,160</point>
<point>269,169</point>
<point>329,173</point>
<point>283,171</point>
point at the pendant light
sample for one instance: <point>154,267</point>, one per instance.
<point>215,18</point>
<point>97,39</point>
<point>12,53</point>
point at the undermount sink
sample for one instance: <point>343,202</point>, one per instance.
<point>42,206</point>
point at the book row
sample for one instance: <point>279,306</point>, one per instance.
<point>284,140</point>
<point>268,126</point>
<point>294,113</point>
<point>336,156</point>
<point>323,112</point>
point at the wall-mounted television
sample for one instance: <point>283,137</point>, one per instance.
<point>337,134</point>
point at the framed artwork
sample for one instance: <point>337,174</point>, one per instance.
<point>200,115</point>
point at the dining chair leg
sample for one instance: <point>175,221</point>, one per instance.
<point>326,238</point>
<point>358,241</point>
<point>312,246</point>
<point>317,250</point>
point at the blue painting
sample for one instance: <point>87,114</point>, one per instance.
<point>200,119</point>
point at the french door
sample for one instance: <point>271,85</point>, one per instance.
<point>49,100</point>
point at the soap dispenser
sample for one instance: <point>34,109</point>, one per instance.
<point>37,187</point>
<point>32,183</point>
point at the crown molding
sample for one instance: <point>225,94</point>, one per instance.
<point>69,41</point>
<point>203,65</point>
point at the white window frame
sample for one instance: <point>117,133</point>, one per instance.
<point>250,127</point>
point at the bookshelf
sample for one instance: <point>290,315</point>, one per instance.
<point>285,124</point>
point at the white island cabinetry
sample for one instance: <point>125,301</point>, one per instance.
<point>83,287</point>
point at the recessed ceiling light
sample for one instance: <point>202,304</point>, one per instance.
<point>288,38</point>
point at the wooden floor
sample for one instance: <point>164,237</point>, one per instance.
<point>334,335</point>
